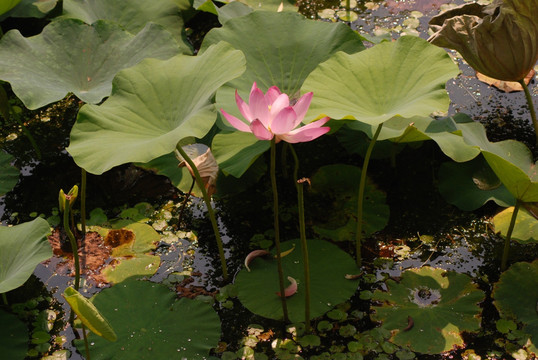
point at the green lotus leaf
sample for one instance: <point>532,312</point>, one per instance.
<point>22,248</point>
<point>89,314</point>
<point>6,5</point>
<point>9,175</point>
<point>429,309</point>
<point>510,160</point>
<point>153,106</point>
<point>151,324</point>
<point>70,56</point>
<point>124,268</point>
<point>133,15</point>
<point>337,185</point>
<point>167,165</point>
<point>232,10</point>
<point>329,287</point>
<point>271,5</point>
<point>526,226</point>
<point>13,336</point>
<point>516,294</point>
<point>236,151</point>
<point>419,128</point>
<point>292,47</point>
<point>403,78</point>
<point>471,184</point>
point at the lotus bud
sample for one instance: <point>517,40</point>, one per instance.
<point>499,40</point>
<point>71,196</point>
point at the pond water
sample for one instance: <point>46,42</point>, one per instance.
<point>423,229</point>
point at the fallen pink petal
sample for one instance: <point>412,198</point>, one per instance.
<point>254,254</point>
<point>291,289</point>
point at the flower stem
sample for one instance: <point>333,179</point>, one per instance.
<point>4,298</point>
<point>187,196</point>
<point>86,346</point>
<point>362,186</point>
<point>531,107</point>
<point>83,203</point>
<point>210,211</point>
<point>277,231</point>
<point>509,235</point>
<point>304,245</point>
<point>73,242</point>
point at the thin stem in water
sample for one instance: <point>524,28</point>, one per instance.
<point>531,108</point>
<point>277,230</point>
<point>4,298</point>
<point>210,211</point>
<point>187,196</point>
<point>302,231</point>
<point>362,186</point>
<point>86,346</point>
<point>83,203</point>
<point>73,242</point>
<point>509,235</point>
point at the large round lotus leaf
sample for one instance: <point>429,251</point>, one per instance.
<point>151,323</point>
<point>328,285</point>
<point>420,128</point>
<point>13,337</point>
<point>516,296</point>
<point>510,160</point>
<point>471,184</point>
<point>428,309</point>
<point>281,49</point>
<point>153,106</point>
<point>9,175</point>
<point>133,15</point>
<point>6,5</point>
<point>336,186</point>
<point>71,56</point>
<point>526,226</point>
<point>402,78</point>
<point>22,247</point>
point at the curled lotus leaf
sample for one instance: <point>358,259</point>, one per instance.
<point>471,184</point>
<point>428,309</point>
<point>150,323</point>
<point>485,36</point>
<point>516,296</point>
<point>71,56</point>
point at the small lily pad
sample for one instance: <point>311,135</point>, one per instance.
<point>151,324</point>
<point>337,185</point>
<point>9,175</point>
<point>471,184</point>
<point>516,296</point>
<point>329,287</point>
<point>429,309</point>
<point>526,226</point>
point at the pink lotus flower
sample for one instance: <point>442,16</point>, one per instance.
<point>271,115</point>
